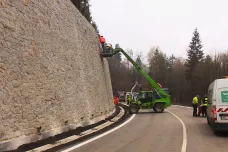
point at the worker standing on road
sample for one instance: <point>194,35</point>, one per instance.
<point>129,99</point>
<point>195,102</point>
<point>204,106</point>
<point>102,41</point>
<point>116,100</point>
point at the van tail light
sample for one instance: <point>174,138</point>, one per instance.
<point>214,113</point>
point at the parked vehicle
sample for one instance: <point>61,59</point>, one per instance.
<point>217,110</point>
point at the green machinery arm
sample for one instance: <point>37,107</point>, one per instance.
<point>151,81</point>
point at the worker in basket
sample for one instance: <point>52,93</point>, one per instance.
<point>102,41</point>
<point>108,48</point>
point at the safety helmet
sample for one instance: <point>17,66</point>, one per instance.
<point>109,45</point>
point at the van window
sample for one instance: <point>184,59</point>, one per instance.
<point>142,96</point>
<point>210,92</point>
<point>149,96</point>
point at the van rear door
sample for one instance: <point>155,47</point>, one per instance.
<point>222,105</point>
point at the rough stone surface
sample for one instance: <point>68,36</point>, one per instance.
<point>51,73</point>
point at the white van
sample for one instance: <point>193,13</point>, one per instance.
<point>217,110</point>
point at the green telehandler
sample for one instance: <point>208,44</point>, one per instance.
<point>157,99</point>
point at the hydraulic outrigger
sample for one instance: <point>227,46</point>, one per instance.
<point>156,99</point>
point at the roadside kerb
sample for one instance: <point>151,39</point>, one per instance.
<point>59,143</point>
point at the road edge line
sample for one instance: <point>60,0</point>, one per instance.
<point>182,106</point>
<point>184,143</point>
<point>99,136</point>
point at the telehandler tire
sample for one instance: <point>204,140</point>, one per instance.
<point>133,108</point>
<point>159,107</point>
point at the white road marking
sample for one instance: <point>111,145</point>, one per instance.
<point>99,136</point>
<point>184,143</point>
<point>181,106</point>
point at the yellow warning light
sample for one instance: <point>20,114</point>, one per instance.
<point>224,77</point>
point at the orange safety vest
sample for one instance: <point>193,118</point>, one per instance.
<point>102,39</point>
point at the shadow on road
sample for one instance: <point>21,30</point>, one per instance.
<point>222,134</point>
<point>208,131</point>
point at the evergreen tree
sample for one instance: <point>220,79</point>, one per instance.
<point>84,7</point>
<point>95,26</point>
<point>171,60</point>
<point>208,59</point>
<point>136,75</point>
<point>195,54</point>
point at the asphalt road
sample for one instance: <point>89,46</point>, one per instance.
<point>151,132</point>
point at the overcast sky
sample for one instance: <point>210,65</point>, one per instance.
<point>141,24</point>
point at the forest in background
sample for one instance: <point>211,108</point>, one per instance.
<point>185,78</point>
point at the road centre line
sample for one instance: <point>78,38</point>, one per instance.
<point>184,142</point>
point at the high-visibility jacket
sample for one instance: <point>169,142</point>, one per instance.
<point>205,101</point>
<point>102,40</point>
<point>129,99</point>
<point>195,100</point>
